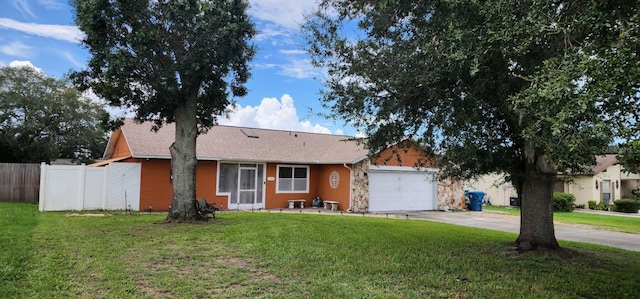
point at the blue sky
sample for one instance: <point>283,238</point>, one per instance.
<point>284,89</point>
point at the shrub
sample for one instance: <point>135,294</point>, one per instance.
<point>580,206</point>
<point>592,204</point>
<point>602,206</point>
<point>563,202</point>
<point>626,205</point>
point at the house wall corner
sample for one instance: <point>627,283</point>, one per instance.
<point>360,187</point>
<point>450,195</point>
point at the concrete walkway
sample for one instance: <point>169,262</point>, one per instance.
<point>508,223</point>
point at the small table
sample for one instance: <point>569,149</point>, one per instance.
<point>292,203</point>
<point>334,205</point>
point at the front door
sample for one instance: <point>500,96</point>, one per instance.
<point>243,184</point>
<point>247,186</point>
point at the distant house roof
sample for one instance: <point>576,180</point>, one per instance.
<point>242,144</point>
<point>603,162</point>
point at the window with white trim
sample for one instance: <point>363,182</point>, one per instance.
<point>292,179</point>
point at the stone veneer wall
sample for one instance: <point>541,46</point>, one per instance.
<point>450,195</point>
<point>360,187</point>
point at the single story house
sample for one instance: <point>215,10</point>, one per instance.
<point>605,182</point>
<point>249,168</point>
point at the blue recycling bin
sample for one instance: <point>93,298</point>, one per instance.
<point>475,200</point>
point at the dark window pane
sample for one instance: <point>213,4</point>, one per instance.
<point>300,173</point>
<point>285,172</point>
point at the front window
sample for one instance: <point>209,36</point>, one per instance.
<point>293,179</point>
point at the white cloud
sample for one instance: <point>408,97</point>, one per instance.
<point>265,66</point>
<point>293,52</point>
<point>71,58</point>
<point>51,4</point>
<point>300,69</point>
<point>267,32</point>
<point>17,49</point>
<point>360,134</point>
<point>25,64</point>
<point>114,112</point>
<point>272,114</point>
<point>59,32</point>
<point>297,68</point>
<point>286,13</point>
<point>23,7</point>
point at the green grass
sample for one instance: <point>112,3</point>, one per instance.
<point>280,255</point>
<point>605,222</point>
<point>17,225</point>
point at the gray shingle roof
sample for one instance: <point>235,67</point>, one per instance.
<point>603,162</point>
<point>238,144</point>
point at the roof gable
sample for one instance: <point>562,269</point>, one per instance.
<point>243,144</point>
<point>603,162</point>
<point>405,153</point>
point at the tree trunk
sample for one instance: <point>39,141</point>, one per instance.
<point>536,212</point>
<point>184,163</point>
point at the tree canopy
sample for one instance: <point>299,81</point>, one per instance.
<point>524,88</point>
<point>629,157</point>
<point>149,55</point>
<point>175,61</point>
<point>44,119</point>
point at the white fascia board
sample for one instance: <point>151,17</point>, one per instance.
<point>401,168</point>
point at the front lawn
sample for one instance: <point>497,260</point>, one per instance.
<point>606,222</point>
<point>272,254</point>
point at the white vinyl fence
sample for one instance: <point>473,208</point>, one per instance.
<point>79,187</point>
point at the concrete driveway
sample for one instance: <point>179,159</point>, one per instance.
<point>508,223</point>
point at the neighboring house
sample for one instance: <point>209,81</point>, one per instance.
<point>497,191</point>
<point>607,181</point>
<point>248,168</point>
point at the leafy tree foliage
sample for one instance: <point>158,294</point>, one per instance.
<point>629,156</point>
<point>525,88</point>
<point>172,62</point>
<point>43,119</point>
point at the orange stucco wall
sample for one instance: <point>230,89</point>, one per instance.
<point>121,148</point>
<point>156,188</point>
<point>155,184</point>
<point>341,193</point>
<point>318,186</point>
<point>406,154</point>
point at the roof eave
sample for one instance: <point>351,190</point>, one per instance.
<point>200,158</point>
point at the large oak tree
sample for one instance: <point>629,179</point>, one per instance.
<point>172,61</point>
<point>524,88</point>
<point>44,118</point>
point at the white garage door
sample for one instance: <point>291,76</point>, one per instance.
<point>401,189</point>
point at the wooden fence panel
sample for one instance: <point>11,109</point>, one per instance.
<point>19,182</point>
